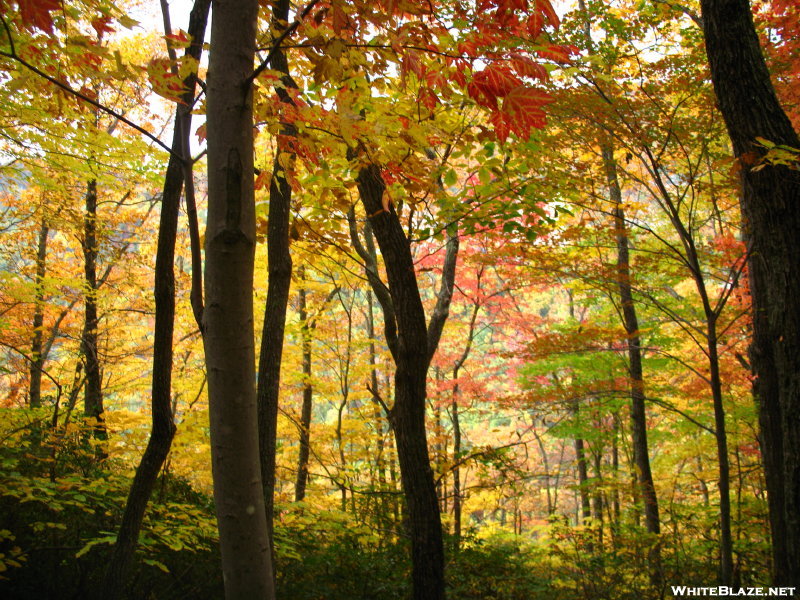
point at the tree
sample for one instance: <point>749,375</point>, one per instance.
<point>163,425</point>
<point>770,201</point>
<point>412,345</point>
<point>228,316</point>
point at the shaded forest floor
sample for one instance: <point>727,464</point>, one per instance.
<point>59,514</point>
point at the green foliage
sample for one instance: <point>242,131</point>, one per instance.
<point>56,528</point>
<point>501,567</point>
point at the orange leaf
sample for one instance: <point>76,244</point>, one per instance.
<point>340,19</point>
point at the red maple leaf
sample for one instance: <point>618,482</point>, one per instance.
<point>496,80</point>
<point>560,54</point>
<point>521,112</point>
<point>36,13</point>
<point>102,26</point>
<point>477,93</point>
<point>502,125</point>
<point>525,67</point>
<point>547,10</point>
<point>535,25</point>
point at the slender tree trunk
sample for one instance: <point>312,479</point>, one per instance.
<point>279,270</point>
<point>93,392</point>
<point>228,316</point>
<point>546,465</point>
<point>597,494</point>
<point>162,427</point>
<point>456,469</point>
<point>37,354</point>
<point>615,470</point>
<point>411,353</point>
<point>583,481</point>
<point>641,454</point>
<point>771,213</point>
<point>308,393</point>
<point>726,540</point>
<point>343,477</point>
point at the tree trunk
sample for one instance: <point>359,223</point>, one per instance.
<point>771,212</point>
<point>279,271</point>
<point>305,411</point>
<point>37,355</point>
<point>411,354</point>
<point>163,427</point>
<point>93,392</point>
<point>456,469</point>
<point>228,316</point>
<point>597,493</point>
<point>583,481</point>
<point>641,454</point>
<point>726,540</point>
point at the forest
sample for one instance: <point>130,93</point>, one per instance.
<point>349,300</point>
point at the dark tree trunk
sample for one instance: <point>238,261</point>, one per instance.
<point>583,481</point>
<point>641,454</point>
<point>411,352</point>
<point>93,390</point>
<point>597,492</point>
<point>456,470</point>
<point>37,354</point>
<point>163,427</point>
<point>726,540</point>
<point>308,395</point>
<point>228,315</point>
<point>279,272</point>
<point>380,460</point>
<point>771,213</point>
<point>615,470</point>
<point>630,320</point>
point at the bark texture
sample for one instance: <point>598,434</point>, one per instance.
<point>279,269</point>
<point>411,351</point>
<point>93,392</point>
<point>37,354</point>
<point>308,397</point>
<point>228,314</point>
<point>771,213</point>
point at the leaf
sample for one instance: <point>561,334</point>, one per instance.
<point>525,67</point>
<point>557,53</point>
<point>102,26</point>
<point>109,539</point>
<point>547,10</point>
<point>535,25</point>
<point>502,125</point>
<point>479,95</point>
<point>156,564</point>
<point>497,80</point>
<point>522,111</point>
<point>36,13</point>
<point>523,98</point>
<point>340,19</point>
